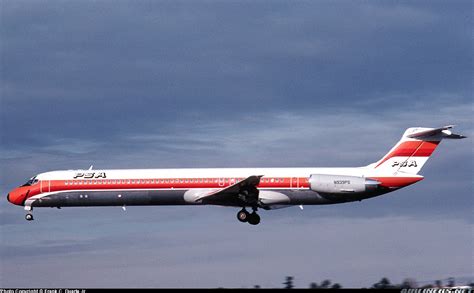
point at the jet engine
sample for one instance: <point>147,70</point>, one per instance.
<point>341,184</point>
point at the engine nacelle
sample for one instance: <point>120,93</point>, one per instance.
<point>341,184</point>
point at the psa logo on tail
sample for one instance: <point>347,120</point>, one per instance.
<point>411,163</point>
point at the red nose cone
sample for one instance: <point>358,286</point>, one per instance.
<point>16,197</point>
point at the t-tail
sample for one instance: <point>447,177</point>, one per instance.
<point>413,150</point>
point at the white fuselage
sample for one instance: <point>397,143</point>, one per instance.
<point>278,186</point>
<point>265,188</point>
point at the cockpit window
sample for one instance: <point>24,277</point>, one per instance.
<point>30,182</point>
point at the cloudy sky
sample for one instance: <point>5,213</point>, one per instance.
<point>149,84</point>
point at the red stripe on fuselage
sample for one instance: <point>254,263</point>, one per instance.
<point>162,183</point>
<point>396,182</point>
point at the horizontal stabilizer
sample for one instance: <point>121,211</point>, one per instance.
<point>444,132</point>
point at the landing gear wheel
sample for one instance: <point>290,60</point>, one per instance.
<point>254,219</point>
<point>243,216</point>
<point>29,217</point>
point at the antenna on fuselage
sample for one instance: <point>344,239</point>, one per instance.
<point>90,168</point>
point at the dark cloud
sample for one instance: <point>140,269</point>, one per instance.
<point>146,66</point>
<point>203,84</point>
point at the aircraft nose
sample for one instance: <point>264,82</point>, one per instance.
<point>14,198</point>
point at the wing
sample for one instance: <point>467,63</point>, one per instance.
<point>244,191</point>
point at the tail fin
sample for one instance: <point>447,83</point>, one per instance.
<point>413,150</point>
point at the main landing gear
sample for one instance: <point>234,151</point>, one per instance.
<point>251,218</point>
<point>29,217</point>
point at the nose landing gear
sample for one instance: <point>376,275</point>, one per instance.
<point>29,217</point>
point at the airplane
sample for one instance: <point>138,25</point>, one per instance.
<point>253,188</point>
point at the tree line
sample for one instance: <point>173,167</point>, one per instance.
<point>384,283</point>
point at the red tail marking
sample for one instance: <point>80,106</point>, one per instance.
<point>412,149</point>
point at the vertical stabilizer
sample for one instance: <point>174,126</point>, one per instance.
<point>413,150</point>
